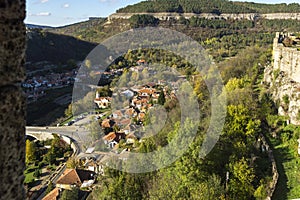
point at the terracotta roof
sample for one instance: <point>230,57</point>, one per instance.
<point>69,177</point>
<point>75,176</point>
<point>146,90</point>
<point>130,111</point>
<point>53,195</point>
<point>141,61</point>
<point>107,123</point>
<point>109,137</point>
<point>142,116</point>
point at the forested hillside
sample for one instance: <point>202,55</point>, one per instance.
<point>207,6</point>
<point>54,48</point>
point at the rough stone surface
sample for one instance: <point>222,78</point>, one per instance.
<point>12,41</point>
<point>12,101</point>
<point>12,143</point>
<point>283,79</point>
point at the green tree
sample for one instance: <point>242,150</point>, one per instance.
<point>161,98</point>
<point>50,187</point>
<point>70,194</point>
<point>240,184</point>
<point>72,163</point>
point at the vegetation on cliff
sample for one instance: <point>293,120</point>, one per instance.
<point>208,6</point>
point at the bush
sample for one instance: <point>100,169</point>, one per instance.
<point>37,173</point>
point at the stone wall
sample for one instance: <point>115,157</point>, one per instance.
<point>275,175</point>
<point>283,79</point>
<point>12,101</point>
<point>248,16</point>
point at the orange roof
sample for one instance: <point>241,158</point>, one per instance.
<point>146,90</point>
<point>142,115</point>
<point>141,61</point>
<point>130,111</point>
<point>110,136</point>
<point>74,176</point>
<point>69,177</point>
<point>52,195</point>
<point>106,123</point>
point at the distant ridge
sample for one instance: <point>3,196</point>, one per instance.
<point>34,26</point>
<point>208,6</point>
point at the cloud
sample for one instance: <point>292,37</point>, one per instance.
<point>66,5</point>
<point>41,1</point>
<point>41,14</point>
<point>108,1</point>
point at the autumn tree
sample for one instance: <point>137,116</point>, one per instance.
<point>30,152</point>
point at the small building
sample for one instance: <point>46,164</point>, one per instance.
<point>74,178</point>
<point>103,102</point>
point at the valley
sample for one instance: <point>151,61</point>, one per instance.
<point>135,105</point>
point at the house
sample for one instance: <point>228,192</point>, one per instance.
<point>74,178</point>
<point>107,123</point>
<point>103,102</point>
<point>53,195</point>
<point>130,112</point>
<point>141,62</point>
<point>113,138</point>
<point>141,116</point>
<point>146,92</point>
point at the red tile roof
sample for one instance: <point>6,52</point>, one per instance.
<point>75,176</point>
<point>53,195</point>
<point>109,137</point>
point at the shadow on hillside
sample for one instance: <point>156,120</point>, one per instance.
<point>55,48</point>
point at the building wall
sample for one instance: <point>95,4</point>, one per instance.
<point>12,101</point>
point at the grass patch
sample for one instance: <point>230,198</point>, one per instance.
<point>288,164</point>
<point>29,174</point>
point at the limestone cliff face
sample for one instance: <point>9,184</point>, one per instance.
<point>248,16</point>
<point>283,77</point>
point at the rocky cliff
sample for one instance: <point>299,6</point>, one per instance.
<point>248,16</point>
<point>283,76</point>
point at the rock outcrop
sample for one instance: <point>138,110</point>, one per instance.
<point>283,76</point>
<point>240,16</point>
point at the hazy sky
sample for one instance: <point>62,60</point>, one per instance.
<point>62,12</point>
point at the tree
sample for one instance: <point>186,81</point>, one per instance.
<point>161,98</point>
<point>70,194</point>
<point>240,184</point>
<point>30,152</point>
<point>49,188</point>
<point>72,163</point>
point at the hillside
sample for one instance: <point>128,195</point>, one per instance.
<point>55,48</point>
<point>241,49</point>
<point>208,6</point>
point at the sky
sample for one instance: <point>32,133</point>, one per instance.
<point>62,12</point>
